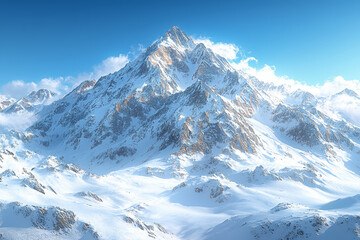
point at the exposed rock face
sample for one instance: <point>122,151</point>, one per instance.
<point>154,231</point>
<point>90,195</point>
<point>33,183</point>
<point>49,219</point>
<point>311,127</point>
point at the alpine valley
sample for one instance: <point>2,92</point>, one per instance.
<point>180,144</point>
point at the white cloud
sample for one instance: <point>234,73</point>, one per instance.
<point>329,88</point>
<point>107,66</point>
<point>336,85</point>
<point>62,85</point>
<point>16,121</point>
<point>110,65</point>
<point>346,106</point>
<point>226,50</point>
<point>243,65</point>
<point>55,85</point>
<point>18,88</point>
<point>268,73</point>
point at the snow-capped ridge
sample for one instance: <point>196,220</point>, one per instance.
<point>178,37</point>
<point>348,92</point>
<point>40,95</point>
<point>33,102</point>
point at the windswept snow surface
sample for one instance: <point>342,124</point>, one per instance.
<point>179,145</point>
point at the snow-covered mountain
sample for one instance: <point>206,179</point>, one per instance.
<point>5,102</point>
<point>172,97</point>
<point>180,145</point>
<point>31,103</point>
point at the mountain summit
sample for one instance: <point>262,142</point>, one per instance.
<point>178,37</point>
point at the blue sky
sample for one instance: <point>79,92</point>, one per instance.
<point>310,41</point>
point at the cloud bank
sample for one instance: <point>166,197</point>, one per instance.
<point>346,106</point>
<point>268,73</point>
<point>107,66</point>
<point>226,50</point>
<point>18,88</point>
<point>16,121</point>
<point>61,85</point>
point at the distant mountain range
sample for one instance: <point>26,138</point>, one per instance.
<point>32,102</point>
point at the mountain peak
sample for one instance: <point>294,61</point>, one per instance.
<point>40,95</point>
<point>42,91</point>
<point>175,29</point>
<point>178,37</point>
<point>349,92</point>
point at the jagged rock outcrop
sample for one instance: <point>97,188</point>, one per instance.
<point>312,127</point>
<point>53,220</point>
